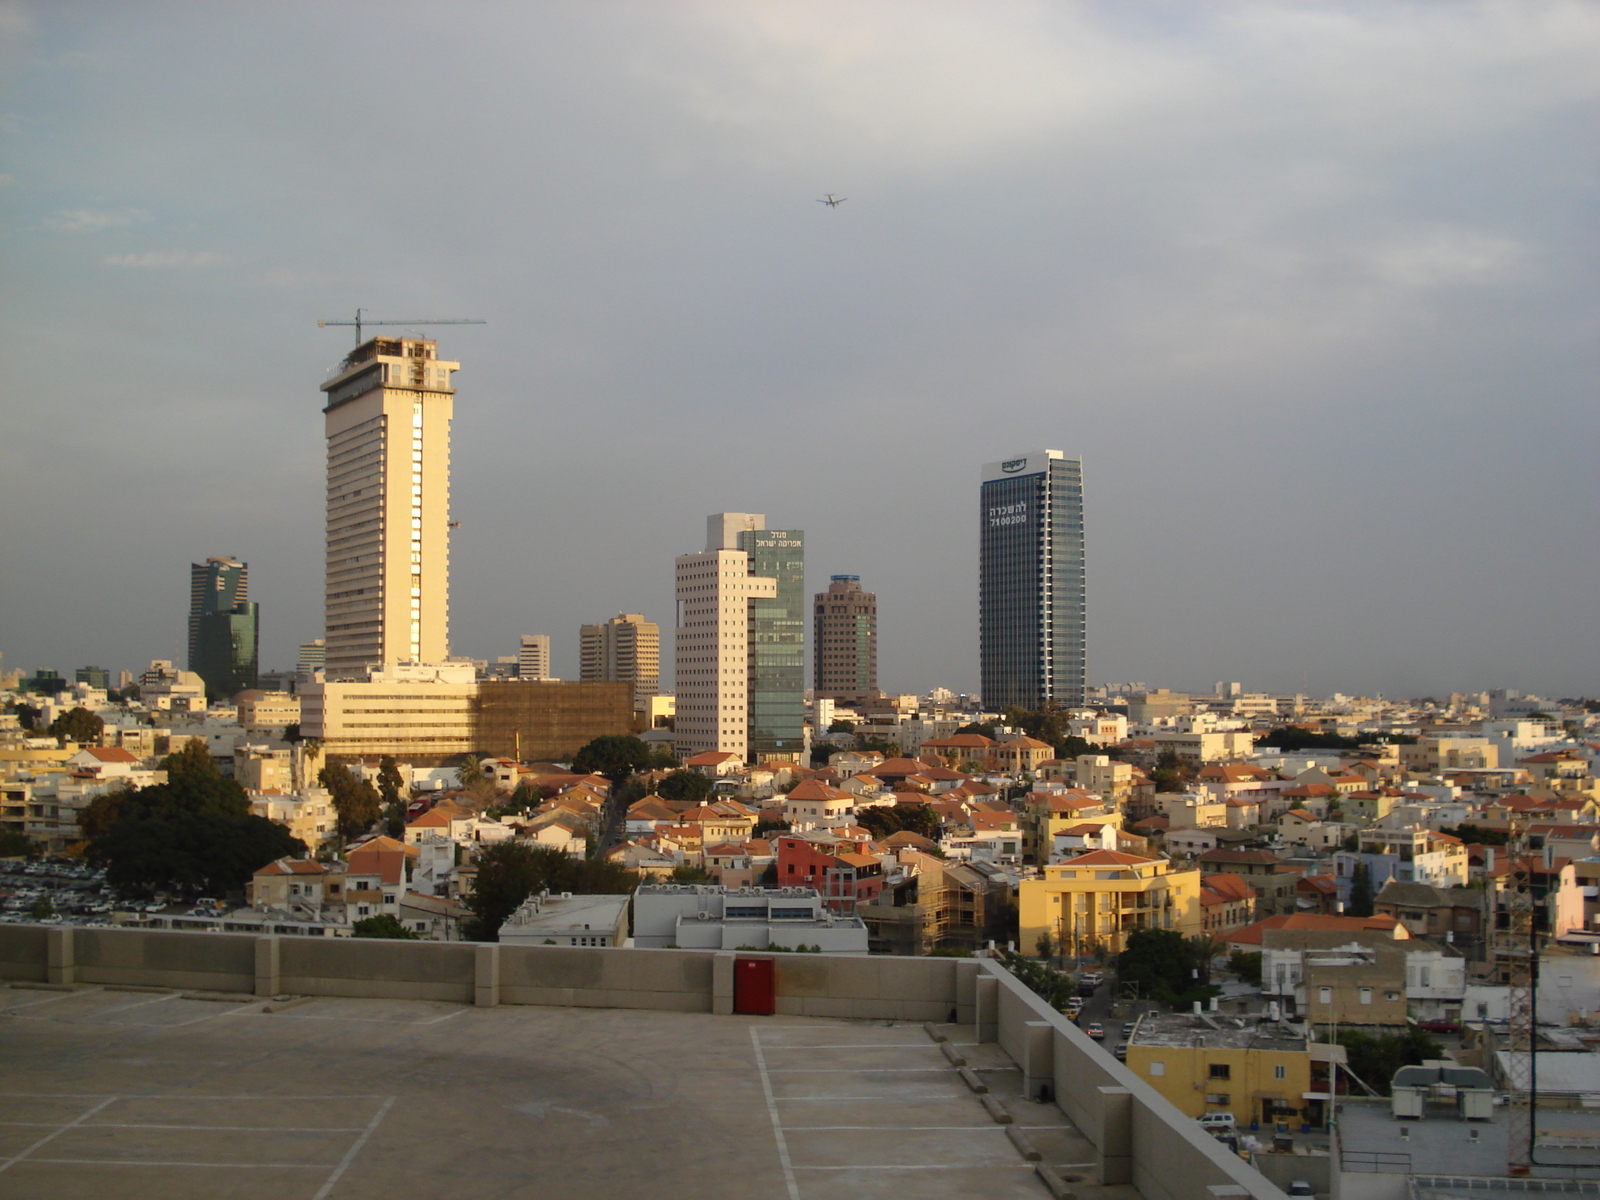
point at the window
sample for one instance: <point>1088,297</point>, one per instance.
<point>1324,995</point>
<point>1217,1098</point>
<point>1219,1071</point>
<point>1158,1068</point>
<point>1366,995</point>
<point>1391,995</point>
<point>1280,1072</point>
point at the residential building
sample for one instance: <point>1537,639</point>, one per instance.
<point>267,710</point>
<point>740,640</point>
<point>567,920</point>
<point>95,677</point>
<point>955,906</point>
<point>224,627</point>
<point>1274,881</point>
<point>533,657</point>
<point>312,657</point>
<point>845,641</point>
<point>1259,1070</point>
<point>387,588</point>
<point>1227,904</point>
<point>701,917</point>
<point>1032,646</point>
<point>1093,902</point>
<point>626,648</point>
<point>845,880</point>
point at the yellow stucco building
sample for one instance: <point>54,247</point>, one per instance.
<point>1091,903</point>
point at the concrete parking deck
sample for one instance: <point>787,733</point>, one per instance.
<point>112,1093</point>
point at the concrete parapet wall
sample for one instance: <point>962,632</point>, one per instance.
<point>900,989</point>
<point>373,967</point>
<point>670,980</point>
<point>222,962</point>
<point>1139,1136</point>
<point>23,953</point>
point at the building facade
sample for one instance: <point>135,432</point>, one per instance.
<point>740,641</point>
<point>625,649</point>
<point>533,656</point>
<point>387,582</point>
<point>844,643</point>
<point>224,627</point>
<point>1031,636</point>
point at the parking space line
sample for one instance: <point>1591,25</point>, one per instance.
<point>230,1128</point>
<point>51,999</point>
<point>1025,1166</point>
<point>138,1004</point>
<point>445,1017</point>
<point>146,1162</point>
<point>50,1137</point>
<point>772,1115</point>
<point>355,1149</point>
<point>872,1070</point>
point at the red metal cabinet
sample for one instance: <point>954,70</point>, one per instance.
<point>755,989</point>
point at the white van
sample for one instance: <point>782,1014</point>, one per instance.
<point>1217,1122</point>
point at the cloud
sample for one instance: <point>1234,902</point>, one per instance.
<point>1448,257</point>
<point>90,220</point>
<point>169,258</point>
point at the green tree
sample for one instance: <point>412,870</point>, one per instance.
<point>1246,964</point>
<point>383,926</point>
<point>390,782</point>
<point>1375,1059</point>
<point>204,852</point>
<point>509,872</point>
<point>1360,892</point>
<point>28,716</point>
<point>980,728</point>
<point>616,756</point>
<point>684,785</point>
<point>42,908</point>
<point>1046,945</point>
<point>842,727</point>
<point>1171,771</point>
<point>689,875</point>
<point>663,760</point>
<point>14,844</point>
<point>881,820</point>
<point>192,758</point>
<point>77,725</point>
<point>355,801</point>
<point>1480,834</point>
<point>1163,965</point>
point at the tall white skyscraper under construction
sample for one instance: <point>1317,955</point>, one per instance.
<point>387,582</point>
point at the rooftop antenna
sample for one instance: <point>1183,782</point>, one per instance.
<point>360,321</point>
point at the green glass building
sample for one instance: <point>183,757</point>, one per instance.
<point>224,627</point>
<point>777,671</point>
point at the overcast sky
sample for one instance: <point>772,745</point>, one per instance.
<point>1310,288</point>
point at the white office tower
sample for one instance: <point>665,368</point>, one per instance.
<point>387,597</point>
<point>715,591</point>
<point>533,658</point>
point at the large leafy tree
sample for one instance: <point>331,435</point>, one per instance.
<point>510,872</point>
<point>1165,966</point>
<point>881,820</point>
<point>390,782</point>
<point>383,926</point>
<point>684,785</point>
<point>614,756</point>
<point>77,725</point>
<point>1361,896</point>
<point>193,833</point>
<point>192,758</point>
<point>355,801</point>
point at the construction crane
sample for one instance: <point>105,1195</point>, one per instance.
<point>359,322</point>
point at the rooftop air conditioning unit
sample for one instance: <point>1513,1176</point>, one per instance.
<point>704,916</point>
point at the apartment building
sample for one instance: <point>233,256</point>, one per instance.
<point>625,649</point>
<point>1093,902</point>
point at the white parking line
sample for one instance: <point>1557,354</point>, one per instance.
<point>146,1162</point>
<point>772,1115</point>
<point>50,1137</point>
<point>49,999</point>
<point>355,1149</point>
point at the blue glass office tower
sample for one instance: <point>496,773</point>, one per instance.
<point>224,627</point>
<point>1031,642</point>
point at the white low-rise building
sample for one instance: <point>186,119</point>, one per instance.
<point>702,917</point>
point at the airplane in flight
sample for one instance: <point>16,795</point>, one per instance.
<point>833,201</point>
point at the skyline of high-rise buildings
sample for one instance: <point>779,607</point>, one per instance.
<point>625,648</point>
<point>387,570</point>
<point>844,641</point>
<point>1031,622</point>
<point>533,656</point>
<point>224,626</point>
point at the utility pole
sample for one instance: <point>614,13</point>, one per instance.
<point>360,321</point>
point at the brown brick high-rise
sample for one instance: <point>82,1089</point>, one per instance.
<point>845,645</point>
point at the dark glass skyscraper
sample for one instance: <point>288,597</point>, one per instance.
<point>777,671</point>
<point>1031,640</point>
<point>224,633</point>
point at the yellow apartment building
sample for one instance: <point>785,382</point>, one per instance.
<point>1090,904</point>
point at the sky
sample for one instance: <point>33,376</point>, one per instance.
<point>1309,287</point>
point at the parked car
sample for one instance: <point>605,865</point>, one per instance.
<point>1121,1052</point>
<point>1127,1029</point>
<point>1439,1026</point>
<point>1096,1031</point>
<point>1217,1122</point>
<point>1300,1188</point>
